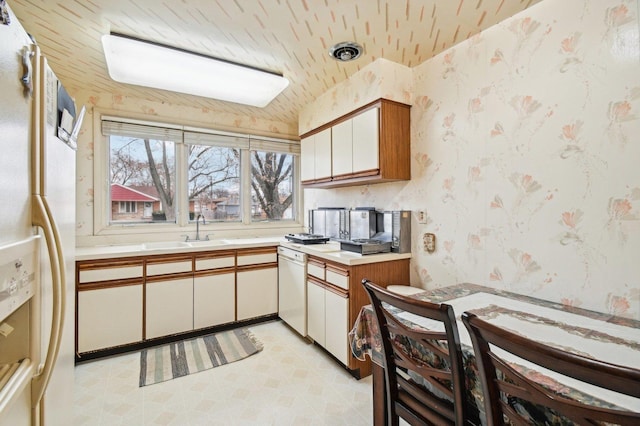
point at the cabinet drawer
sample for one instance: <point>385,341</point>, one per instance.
<point>340,279</point>
<point>215,263</point>
<point>110,274</point>
<point>168,267</point>
<point>315,271</point>
<point>254,259</point>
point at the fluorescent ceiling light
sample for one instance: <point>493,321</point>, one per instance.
<point>148,64</point>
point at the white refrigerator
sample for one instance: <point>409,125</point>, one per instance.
<point>37,236</point>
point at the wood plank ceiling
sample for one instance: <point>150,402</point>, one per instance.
<point>287,36</point>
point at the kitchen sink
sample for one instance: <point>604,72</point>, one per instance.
<point>165,245</point>
<point>207,243</point>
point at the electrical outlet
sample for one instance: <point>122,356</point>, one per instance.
<point>429,241</point>
<point>422,216</point>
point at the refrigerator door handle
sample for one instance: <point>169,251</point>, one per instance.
<point>41,216</point>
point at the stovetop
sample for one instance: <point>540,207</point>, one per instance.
<point>304,238</point>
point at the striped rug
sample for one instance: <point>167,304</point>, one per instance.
<point>191,356</point>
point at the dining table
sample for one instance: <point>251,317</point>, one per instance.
<point>602,336</point>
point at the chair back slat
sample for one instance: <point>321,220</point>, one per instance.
<point>504,386</point>
<point>423,368</point>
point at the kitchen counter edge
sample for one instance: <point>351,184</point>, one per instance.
<point>135,250</point>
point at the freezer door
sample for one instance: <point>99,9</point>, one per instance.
<point>57,183</point>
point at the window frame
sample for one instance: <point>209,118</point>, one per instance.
<point>101,204</point>
<point>129,207</point>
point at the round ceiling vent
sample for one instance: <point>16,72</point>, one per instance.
<point>345,51</point>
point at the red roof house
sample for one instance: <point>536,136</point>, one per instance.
<point>132,204</point>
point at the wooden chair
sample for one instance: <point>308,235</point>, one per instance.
<point>442,401</point>
<point>503,385</point>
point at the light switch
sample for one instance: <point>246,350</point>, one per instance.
<point>422,216</point>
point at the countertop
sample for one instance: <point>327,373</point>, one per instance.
<point>172,247</point>
<point>329,251</point>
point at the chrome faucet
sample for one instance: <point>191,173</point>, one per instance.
<point>198,227</point>
<point>197,238</point>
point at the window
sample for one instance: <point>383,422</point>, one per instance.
<point>127,207</point>
<point>214,175</point>
<point>177,174</point>
<point>142,168</point>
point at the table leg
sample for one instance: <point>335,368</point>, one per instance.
<point>379,396</point>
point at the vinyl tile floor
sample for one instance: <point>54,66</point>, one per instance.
<point>290,382</point>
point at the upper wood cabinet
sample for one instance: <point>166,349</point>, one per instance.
<point>368,145</point>
<point>316,156</point>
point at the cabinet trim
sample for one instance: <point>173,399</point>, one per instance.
<point>257,250</point>
<point>316,261</point>
<point>257,266</point>
<point>169,258</point>
<point>99,285</point>
<point>218,271</point>
<point>169,277</point>
<point>337,270</point>
<point>362,173</point>
<point>337,290</point>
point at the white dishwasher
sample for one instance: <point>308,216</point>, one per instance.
<point>292,288</point>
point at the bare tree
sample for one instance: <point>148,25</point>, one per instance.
<point>209,166</point>
<point>126,169</point>
<point>163,185</point>
<point>268,171</point>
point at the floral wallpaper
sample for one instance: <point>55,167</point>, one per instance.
<point>525,157</point>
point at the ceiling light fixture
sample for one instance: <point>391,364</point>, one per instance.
<point>149,64</point>
<point>345,51</point>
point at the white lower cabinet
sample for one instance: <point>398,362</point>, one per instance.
<point>315,312</point>
<point>109,317</point>
<point>257,292</point>
<point>327,319</point>
<point>128,301</point>
<point>169,307</point>
<point>214,298</point>
<point>336,325</point>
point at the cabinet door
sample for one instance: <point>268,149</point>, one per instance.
<point>337,326</point>
<point>109,317</point>
<point>315,312</point>
<point>257,292</point>
<point>342,148</point>
<point>169,307</point>
<point>307,158</point>
<point>366,136</point>
<point>214,299</point>
<point>323,154</point>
